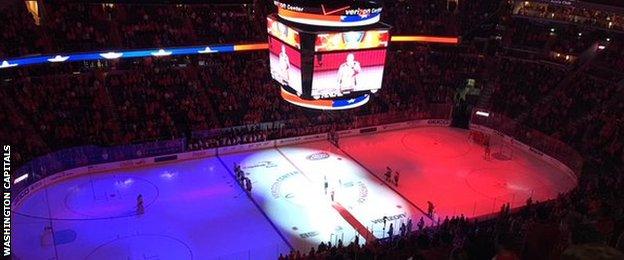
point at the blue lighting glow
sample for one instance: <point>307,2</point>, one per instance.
<point>111,55</point>
<point>6,64</point>
<point>58,58</point>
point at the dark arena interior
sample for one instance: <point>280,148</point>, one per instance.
<point>320,129</point>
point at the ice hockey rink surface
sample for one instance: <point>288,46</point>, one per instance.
<point>196,210</point>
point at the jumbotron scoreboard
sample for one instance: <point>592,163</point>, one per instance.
<point>327,54</point>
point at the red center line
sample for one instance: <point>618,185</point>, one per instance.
<point>357,225</point>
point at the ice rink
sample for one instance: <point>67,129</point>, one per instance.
<point>196,210</point>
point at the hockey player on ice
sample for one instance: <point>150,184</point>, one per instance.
<point>140,207</point>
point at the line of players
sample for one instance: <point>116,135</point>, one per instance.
<point>394,179</point>
<point>242,180</point>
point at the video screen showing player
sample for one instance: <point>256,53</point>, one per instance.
<point>348,74</point>
<point>338,74</point>
<point>285,64</point>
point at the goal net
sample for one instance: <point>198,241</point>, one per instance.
<point>501,149</point>
<point>498,148</point>
<point>505,152</point>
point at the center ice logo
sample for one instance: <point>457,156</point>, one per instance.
<point>318,156</point>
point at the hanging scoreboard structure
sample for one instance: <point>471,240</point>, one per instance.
<point>327,55</point>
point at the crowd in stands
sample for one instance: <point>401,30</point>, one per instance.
<point>70,26</point>
<point>517,84</point>
<point>613,56</point>
<point>19,34</point>
<point>538,28</point>
<point>522,33</point>
<point>230,99</point>
<point>134,101</point>
<point>581,15</point>
<point>437,17</point>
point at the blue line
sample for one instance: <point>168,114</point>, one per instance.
<point>257,206</point>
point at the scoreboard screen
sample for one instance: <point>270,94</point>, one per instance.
<point>341,73</point>
<point>327,54</point>
<point>285,65</point>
